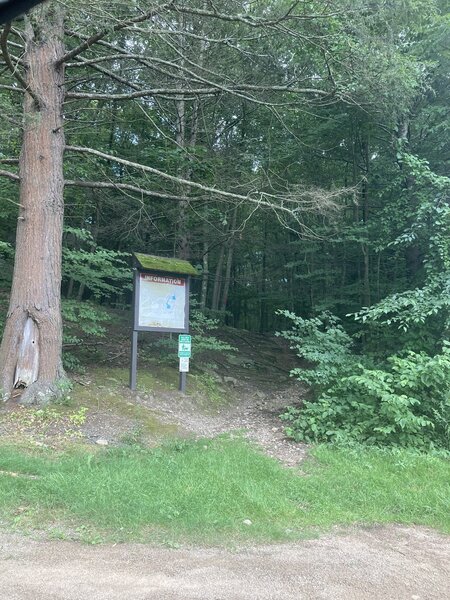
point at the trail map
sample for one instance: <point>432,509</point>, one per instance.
<point>162,301</point>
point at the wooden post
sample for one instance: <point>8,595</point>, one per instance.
<point>182,386</point>
<point>134,351</point>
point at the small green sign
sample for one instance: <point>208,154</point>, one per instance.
<point>184,346</point>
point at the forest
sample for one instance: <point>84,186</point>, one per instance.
<point>295,152</point>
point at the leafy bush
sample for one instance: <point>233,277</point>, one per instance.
<point>81,320</point>
<point>322,341</point>
<point>407,404</point>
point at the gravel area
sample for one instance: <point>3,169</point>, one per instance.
<point>389,563</point>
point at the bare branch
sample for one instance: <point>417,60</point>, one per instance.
<point>201,91</point>
<point>101,34</point>
<point>252,21</point>
<point>242,18</point>
<point>102,184</point>
<point>127,187</point>
<point>286,205</point>
<point>9,161</point>
<point>11,88</point>
<point>181,93</point>
<point>10,175</point>
<point>11,67</point>
<point>113,76</point>
<point>153,171</point>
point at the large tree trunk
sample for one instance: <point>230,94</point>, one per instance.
<point>30,353</point>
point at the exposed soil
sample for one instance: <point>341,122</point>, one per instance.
<point>244,391</point>
<point>389,563</point>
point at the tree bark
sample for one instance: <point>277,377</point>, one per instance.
<point>30,353</point>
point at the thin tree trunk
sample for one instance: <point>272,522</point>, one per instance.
<point>218,279</point>
<point>366,246</point>
<point>183,244</point>
<point>30,353</point>
<point>229,263</point>
<point>205,276</point>
<point>263,320</point>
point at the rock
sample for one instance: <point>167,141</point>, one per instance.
<point>260,395</point>
<point>102,442</point>
<point>247,522</point>
<point>231,380</point>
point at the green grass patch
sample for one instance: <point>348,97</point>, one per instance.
<point>203,491</point>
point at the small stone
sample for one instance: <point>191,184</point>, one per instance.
<point>205,447</point>
<point>102,442</point>
<point>274,428</point>
<point>247,522</point>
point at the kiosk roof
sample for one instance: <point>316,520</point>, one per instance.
<point>148,262</point>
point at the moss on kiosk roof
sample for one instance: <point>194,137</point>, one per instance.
<point>168,265</point>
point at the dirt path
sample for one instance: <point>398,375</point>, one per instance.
<point>257,383</point>
<point>253,412</point>
<point>392,563</point>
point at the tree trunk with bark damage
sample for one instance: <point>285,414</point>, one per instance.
<point>30,353</point>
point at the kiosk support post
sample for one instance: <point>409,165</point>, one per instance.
<point>182,386</point>
<point>134,351</point>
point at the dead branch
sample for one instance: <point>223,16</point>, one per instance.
<point>10,175</point>
<point>101,34</point>
<point>248,19</point>
<point>218,89</point>
<point>10,65</point>
<point>127,187</point>
<point>285,205</point>
<point>12,88</point>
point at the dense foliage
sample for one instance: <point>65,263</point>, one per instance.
<point>402,401</point>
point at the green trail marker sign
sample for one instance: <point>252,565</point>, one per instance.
<point>184,346</point>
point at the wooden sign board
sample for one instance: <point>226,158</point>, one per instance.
<point>160,302</point>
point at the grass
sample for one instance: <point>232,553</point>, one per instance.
<point>205,490</point>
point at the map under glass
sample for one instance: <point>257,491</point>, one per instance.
<point>162,301</point>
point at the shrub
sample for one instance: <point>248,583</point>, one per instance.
<point>322,341</point>
<point>406,404</point>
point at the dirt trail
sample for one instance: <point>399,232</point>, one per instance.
<point>259,386</point>
<point>394,563</point>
